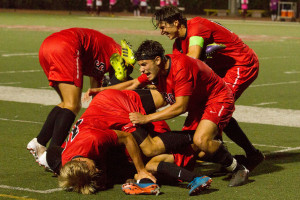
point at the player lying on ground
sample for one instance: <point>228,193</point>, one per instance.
<point>237,64</point>
<point>110,109</point>
<point>65,57</point>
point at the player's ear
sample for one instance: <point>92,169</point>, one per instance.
<point>157,60</point>
<point>176,23</point>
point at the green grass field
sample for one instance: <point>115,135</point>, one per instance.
<point>274,96</point>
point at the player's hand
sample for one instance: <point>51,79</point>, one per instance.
<point>144,174</point>
<point>138,118</point>
<point>90,92</point>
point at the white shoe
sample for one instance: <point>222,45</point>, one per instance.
<point>43,161</point>
<point>36,149</point>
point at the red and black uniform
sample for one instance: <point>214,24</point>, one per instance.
<point>108,110</point>
<point>210,97</point>
<point>237,64</point>
<point>67,55</point>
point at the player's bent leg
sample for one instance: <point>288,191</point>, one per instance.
<point>71,97</point>
<point>204,137</point>
<point>152,146</point>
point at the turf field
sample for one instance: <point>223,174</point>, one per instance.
<point>269,111</point>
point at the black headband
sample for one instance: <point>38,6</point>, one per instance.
<point>147,57</point>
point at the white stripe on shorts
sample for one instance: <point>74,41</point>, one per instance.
<point>220,112</point>
<point>77,63</point>
<point>237,77</point>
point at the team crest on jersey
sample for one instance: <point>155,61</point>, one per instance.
<point>100,66</point>
<point>169,97</point>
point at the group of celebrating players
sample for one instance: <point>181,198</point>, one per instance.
<point>209,69</point>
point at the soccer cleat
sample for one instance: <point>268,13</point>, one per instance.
<point>254,160</point>
<point>212,48</point>
<point>127,53</point>
<point>43,161</point>
<point>36,149</point>
<point>199,184</point>
<point>117,63</point>
<point>240,177</point>
<point>140,188</point>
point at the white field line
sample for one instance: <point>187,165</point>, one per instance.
<point>292,72</point>
<point>31,190</point>
<point>265,103</point>
<point>23,121</point>
<point>19,54</point>
<point>265,145</point>
<point>275,57</point>
<point>272,84</point>
<point>22,71</point>
<point>10,83</point>
<point>285,150</point>
<point>248,114</point>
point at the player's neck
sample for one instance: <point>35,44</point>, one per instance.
<point>182,31</point>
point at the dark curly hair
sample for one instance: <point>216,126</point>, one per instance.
<point>168,14</point>
<point>148,50</point>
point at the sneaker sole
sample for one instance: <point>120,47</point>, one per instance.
<point>201,188</point>
<point>150,190</point>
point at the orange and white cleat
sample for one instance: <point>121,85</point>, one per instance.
<point>141,188</point>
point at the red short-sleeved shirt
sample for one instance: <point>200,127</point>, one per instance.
<point>67,55</point>
<point>191,77</point>
<point>235,53</point>
<point>109,109</point>
<point>88,142</point>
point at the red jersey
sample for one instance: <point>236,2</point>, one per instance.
<point>235,53</point>
<point>191,77</point>
<point>69,54</point>
<point>109,109</point>
<point>88,142</point>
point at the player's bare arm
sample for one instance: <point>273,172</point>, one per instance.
<point>127,85</point>
<point>135,154</point>
<point>195,51</point>
<point>195,46</point>
<point>178,108</point>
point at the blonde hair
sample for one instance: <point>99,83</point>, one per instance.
<point>76,176</point>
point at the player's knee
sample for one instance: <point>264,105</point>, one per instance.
<point>151,150</point>
<point>201,142</point>
<point>147,151</point>
<point>151,166</point>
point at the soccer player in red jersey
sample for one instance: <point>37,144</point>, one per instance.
<point>189,85</point>
<point>237,64</point>
<point>92,136</point>
<point>66,57</point>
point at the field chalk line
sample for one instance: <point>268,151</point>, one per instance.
<point>30,190</point>
<point>248,114</point>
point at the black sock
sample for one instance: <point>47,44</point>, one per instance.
<point>174,171</point>
<point>145,180</point>
<point>236,134</point>
<point>222,156</point>
<point>140,134</point>
<point>176,140</point>
<point>47,130</point>
<point>62,126</point>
